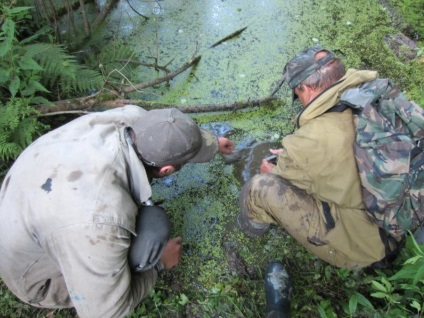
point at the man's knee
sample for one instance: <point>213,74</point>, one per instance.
<point>247,220</point>
<point>256,196</point>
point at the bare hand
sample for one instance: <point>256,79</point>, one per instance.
<point>276,151</point>
<point>171,254</point>
<point>266,166</point>
<point>225,145</point>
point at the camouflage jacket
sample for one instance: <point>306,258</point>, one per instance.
<point>318,157</point>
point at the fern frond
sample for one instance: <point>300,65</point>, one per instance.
<point>61,70</point>
<point>9,151</point>
<point>17,127</point>
<point>111,58</point>
<point>87,80</point>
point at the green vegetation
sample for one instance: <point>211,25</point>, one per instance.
<point>411,12</point>
<point>31,73</point>
<point>409,20</point>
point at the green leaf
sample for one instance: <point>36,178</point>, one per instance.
<point>364,301</point>
<point>37,100</point>
<point>413,260</point>
<point>43,31</point>
<point>32,87</point>
<point>5,75</point>
<point>379,295</point>
<point>184,299</point>
<point>19,9</point>
<point>27,63</point>
<point>415,304</point>
<point>419,275</point>
<point>407,272</point>
<point>378,286</point>
<point>14,86</point>
<point>322,313</point>
<point>353,303</point>
<point>9,32</point>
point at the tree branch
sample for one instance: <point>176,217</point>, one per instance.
<point>102,15</point>
<point>165,78</point>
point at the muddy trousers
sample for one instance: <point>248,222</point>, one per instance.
<point>348,240</point>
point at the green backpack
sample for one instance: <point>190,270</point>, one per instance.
<point>389,152</point>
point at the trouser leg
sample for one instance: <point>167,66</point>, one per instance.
<point>353,242</point>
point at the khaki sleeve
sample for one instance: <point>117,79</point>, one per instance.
<point>292,171</point>
<point>93,261</point>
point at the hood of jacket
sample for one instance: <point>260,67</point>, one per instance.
<point>331,96</point>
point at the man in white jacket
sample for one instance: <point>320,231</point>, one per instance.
<point>68,207</point>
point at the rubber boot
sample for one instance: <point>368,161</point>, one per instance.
<point>419,234</point>
<point>278,289</point>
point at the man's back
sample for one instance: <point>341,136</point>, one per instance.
<point>65,197</point>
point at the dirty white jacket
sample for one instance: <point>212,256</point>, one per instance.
<point>67,212</point>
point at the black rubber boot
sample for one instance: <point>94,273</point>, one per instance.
<point>278,288</point>
<point>419,234</point>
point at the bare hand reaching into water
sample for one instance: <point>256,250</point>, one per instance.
<point>171,254</point>
<point>225,145</point>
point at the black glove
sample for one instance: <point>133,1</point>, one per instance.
<point>152,228</point>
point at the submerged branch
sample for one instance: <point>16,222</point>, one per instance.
<point>152,65</point>
<point>103,14</point>
<point>101,97</point>
<point>162,79</point>
<point>132,8</point>
<point>114,99</point>
<point>201,108</point>
<point>234,34</point>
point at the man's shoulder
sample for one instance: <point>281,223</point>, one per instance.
<point>321,132</point>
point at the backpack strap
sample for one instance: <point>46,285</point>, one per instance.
<point>391,254</point>
<point>341,106</point>
<point>419,148</point>
<point>327,215</point>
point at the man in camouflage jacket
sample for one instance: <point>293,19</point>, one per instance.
<point>314,190</point>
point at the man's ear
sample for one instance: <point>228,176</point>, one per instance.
<point>305,94</point>
<point>166,171</point>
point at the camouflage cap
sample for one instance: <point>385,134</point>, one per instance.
<point>303,65</point>
<point>170,137</point>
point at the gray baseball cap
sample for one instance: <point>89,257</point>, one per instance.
<point>170,137</point>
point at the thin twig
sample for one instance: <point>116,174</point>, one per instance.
<point>128,1</point>
<point>155,66</point>
<point>279,84</point>
<point>65,112</point>
<point>229,37</point>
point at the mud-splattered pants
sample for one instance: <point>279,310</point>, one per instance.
<point>350,240</point>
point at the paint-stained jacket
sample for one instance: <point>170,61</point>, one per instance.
<point>318,157</point>
<point>67,213</point>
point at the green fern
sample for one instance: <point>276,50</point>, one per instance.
<point>110,61</point>
<point>61,72</point>
<point>18,127</point>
